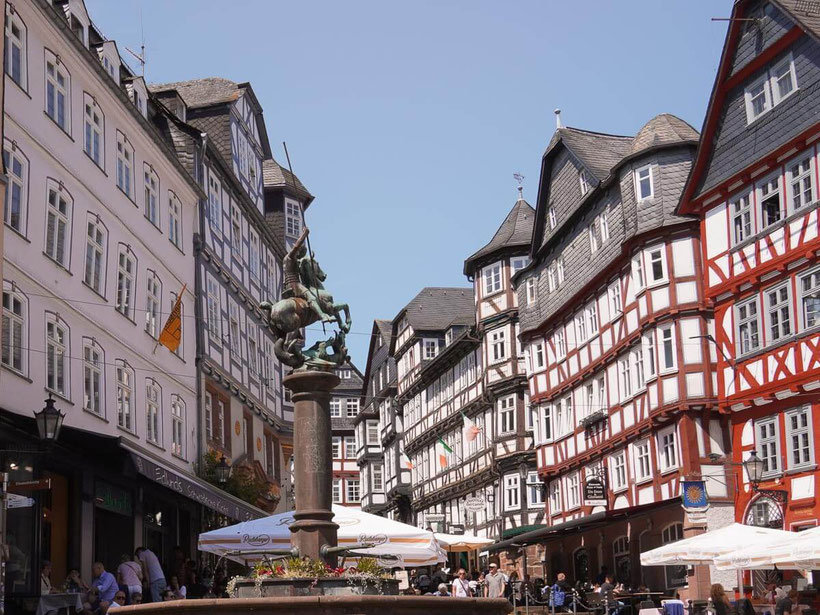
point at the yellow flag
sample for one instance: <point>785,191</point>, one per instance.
<point>171,335</point>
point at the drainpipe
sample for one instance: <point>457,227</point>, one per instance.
<point>199,175</point>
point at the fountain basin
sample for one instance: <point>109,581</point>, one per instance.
<point>330,586</point>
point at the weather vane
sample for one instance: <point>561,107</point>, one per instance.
<point>520,179</point>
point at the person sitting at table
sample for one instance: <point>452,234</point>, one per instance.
<point>180,591</point>
<point>104,581</point>
<point>45,579</point>
<point>788,605</point>
<point>773,592</point>
<point>642,589</point>
<point>720,602</point>
<point>607,591</point>
<point>74,583</point>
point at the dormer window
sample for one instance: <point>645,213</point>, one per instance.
<point>770,89</point>
<point>293,219</point>
<point>430,349</point>
<point>551,214</point>
<point>584,181</point>
<point>643,183</point>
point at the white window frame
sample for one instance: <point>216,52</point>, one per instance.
<point>583,180</point>
<point>372,432</point>
<point>58,225</point>
<point>767,445</point>
<point>93,378</point>
<point>174,220</point>
<point>125,396</point>
<point>335,407</point>
<point>492,279</point>
<point>336,447</point>
<point>778,313</point>
<point>591,314</point>
<point>559,268</point>
<point>94,131</point>
<point>353,490</point>
<point>253,256</point>
<point>560,344</point>
<point>349,447</point>
<point>531,290</point>
<point>58,377</point>
<point>604,224</point>
<point>748,96</point>
<point>593,238</point>
<point>539,361</point>
<point>667,348</point>
<point>803,433</point>
<point>293,219</point>
<point>517,263</point>
<point>552,217</point>
<point>809,293</point>
<point>58,92</point>
<point>498,345</point>
<point>16,41</point>
<point>799,201</point>
<point>153,304</point>
<point>351,407</point>
<point>94,272</point>
<point>377,477</point>
<point>788,63</point>
<point>650,360</point>
<point>616,306</point>
<point>743,219</point>
<point>555,500</point>
<point>535,490</point>
<point>618,473</point>
<point>638,275</point>
<point>430,349</point>
<point>638,374</point>
<point>749,323</point>
<point>234,330</point>
<point>125,166</point>
<point>642,460</point>
<point>214,204</point>
<point>656,255</point>
<point>574,491</point>
<point>640,177</point>
<point>551,283</point>
<point>625,372</point>
<point>153,412</point>
<point>177,426</point>
<point>512,492</point>
<point>336,492</point>
<point>17,167</point>
<point>214,308</point>
<point>667,442</point>
<point>507,415</point>
<point>151,192</point>
<point>581,327</point>
<point>763,189</point>
<point>15,330</point>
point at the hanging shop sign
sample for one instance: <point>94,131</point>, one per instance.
<point>594,492</point>
<point>693,495</point>
<point>474,503</point>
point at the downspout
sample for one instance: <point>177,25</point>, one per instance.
<point>199,176</point>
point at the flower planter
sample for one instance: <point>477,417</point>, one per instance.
<point>266,587</point>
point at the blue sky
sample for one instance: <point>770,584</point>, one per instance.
<point>407,120</point>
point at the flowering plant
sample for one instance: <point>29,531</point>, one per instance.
<point>295,567</point>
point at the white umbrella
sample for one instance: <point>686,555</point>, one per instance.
<point>795,550</point>
<point>411,545</point>
<point>457,543</point>
<point>705,548</point>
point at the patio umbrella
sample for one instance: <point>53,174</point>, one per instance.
<point>458,543</point>
<point>410,545</point>
<point>794,550</point>
<point>705,548</point>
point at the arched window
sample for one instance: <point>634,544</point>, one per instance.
<point>57,355</point>
<point>151,194</point>
<point>623,565</point>
<point>125,395</point>
<point>17,189</point>
<point>764,512</point>
<point>153,304</point>
<point>177,426</point>
<point>58,91</point>
<point>126,281</point>
<point>580,564</point>
<point>174,220</point>
<point>94,133</point>
<point>93,377</point>
<point>58,223</point>
<point>16,56</point>
<point>15,329</point>
<point>95,251</point>
<point>153,411</point>
<point>125,165</point>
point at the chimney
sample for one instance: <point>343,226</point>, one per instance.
<point>558,118</point>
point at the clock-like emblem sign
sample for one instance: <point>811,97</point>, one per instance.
<point>694,493</point>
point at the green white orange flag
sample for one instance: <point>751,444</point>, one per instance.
<point>442,450</point>
<point>406,460</point>
<point>470,429</point>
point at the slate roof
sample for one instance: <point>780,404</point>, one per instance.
<point>597,151</point>
<point>437,309</point>
<point>805,12</point>
<point>275,175</point>
<point>385,328</point>
<point>515,231</point>
<point>663,129</point>
<point>202,92</point>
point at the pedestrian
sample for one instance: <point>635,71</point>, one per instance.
<point>461,586</point>
<point>720,602</point>
<point>129,575</point>
<point>105,583</point>
<point>442,590</point>
<point>440,575</point>
<point>494,583</point>
<point>151,572</point>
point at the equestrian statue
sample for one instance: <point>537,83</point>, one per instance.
<point>304,302</point>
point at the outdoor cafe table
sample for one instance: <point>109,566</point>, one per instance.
<point>49,603</point>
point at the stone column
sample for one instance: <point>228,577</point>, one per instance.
<point>313,470</point>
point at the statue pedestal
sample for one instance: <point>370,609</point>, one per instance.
<point>313,527</point>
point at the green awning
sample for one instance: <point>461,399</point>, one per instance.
<point>519,530</point>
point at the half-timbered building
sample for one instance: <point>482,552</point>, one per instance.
<point>620,368</point>
<point>238,264</point>
<point>385,490</point>
<point>754,187</point>
<point>344,409</point>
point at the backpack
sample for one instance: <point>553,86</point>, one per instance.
<point>558,597</point>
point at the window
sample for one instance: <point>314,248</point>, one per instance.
<point>214,311</point>
<point>672,533</point>
<point>58,236</point>
<point>767,445</point>
<point>545,423</point>
<point>800,182</point>
<point>758,99</point>
<point>643,465</point>
<point>56,356</point>
<point>174,220</point>
<point>512,492</point>
<point>336,447</point>
<point>94,255</point>
<point>236,232</point>
<point>769,198</point>
<point>125,282</point>
<point>17,188</point>
<point>253,350</point>
<point>667,359</point>
<point>784,81</point>
<point>592,317</point>
<point>799,437</point>
<point>602,400</point>
<point>151,196</point>
<point>559,269</point>
<point>92,377</point>
<point>293,219</point>
<point>778,312</point>
<point>350,447</point>
<point>215,204</point>
<point>16,57</point>
<point>337,490</point>
<point>335,407</point>
<point>604,223</point>
<point>615,300</point>
<point>518,263</point>
<point>535,491</point>
<point>617,471</point>
<point>649,354</point>
<point>152,411</point>
<point>593,238</point>
<point>551,282</point>
<point>626,377</point>
<point>352,407</point>
<point>492,279</point>
<point>770,89</point>
<point>573,491</point>
<point>125,395</point>
<point>560,344</point>
<point>741,218</point>
<point>553,221</point>
<point>506,415</point>
<point>538,355</point>
<point>377,477</point>
<point>125,165</point>
<point>153,305</point>
<point>531,290</point>
<point>372,432</point>
<point>581,327</point>
<point>748,336</point>
<point>562,415</point>
<point>498,345</point>
<point>637,272</point>
<point>233,331</point>
<point>353,490</point>
<point>810,299</point>
<point>668,449</point>
<point>253,256</point>
<point>555,496</point>
<point>177,426</point>
<point>57,93</point>
<point>584,181</point>
<point>657,265</point>
<point>430,349</point>
<point>14,330</point>
<point>93,142</point>
<point>643,183</point>
<point>636,357</point>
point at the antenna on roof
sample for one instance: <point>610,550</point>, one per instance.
<point>520,179</point>
<point>557,113</point>
<point>141,55</point>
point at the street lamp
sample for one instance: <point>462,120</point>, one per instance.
<point>49,421</point>
<point>223,471</point>
<point>754,470</point>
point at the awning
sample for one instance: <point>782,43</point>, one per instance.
<point>794,551</point>
<point>547,530</point>
<point>190,486</point>
<point>461,543</point>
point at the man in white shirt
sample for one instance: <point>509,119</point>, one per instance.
<point>152,571</point>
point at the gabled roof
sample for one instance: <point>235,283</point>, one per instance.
<point>514,232</point>
<point>806,14</point>
<point>202,92</point>
<point>275,175</point>
<point>437,309</point>
<point>663,129</point>
<point>385,328</point>
<point>597,151</point>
